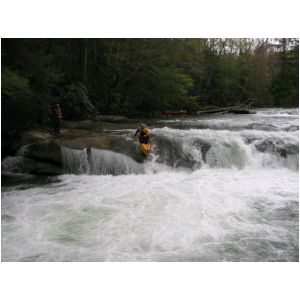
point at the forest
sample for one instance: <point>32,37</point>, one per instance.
<point>142,77</point>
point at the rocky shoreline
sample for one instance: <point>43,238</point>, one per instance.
<point>38,151</point>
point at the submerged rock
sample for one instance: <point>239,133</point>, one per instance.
<point>273,146</point>
<point>31,258</point>
<point>7,218</point>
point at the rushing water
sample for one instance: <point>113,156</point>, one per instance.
<point>216,188</point>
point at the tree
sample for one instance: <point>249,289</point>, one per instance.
<point>145,76</point>
<point>285,85</point>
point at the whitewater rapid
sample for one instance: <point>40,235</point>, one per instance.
<point>215,189</point>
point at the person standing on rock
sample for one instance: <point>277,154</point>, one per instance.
<point>57,118</point>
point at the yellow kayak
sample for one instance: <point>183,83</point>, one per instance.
<point>145,148</point>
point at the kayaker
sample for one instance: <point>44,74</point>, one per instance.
<point>143,134</point>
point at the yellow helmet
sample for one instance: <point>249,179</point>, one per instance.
<point>146,130</point>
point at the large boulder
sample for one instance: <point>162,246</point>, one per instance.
<point>88,141</point>
<point>20,164</point>
<point>277,146</point>
<point>16,164</point>
<point>46,169</point>
<point>10,143</point>
<point>35,136</point>
<point>70,124</point>
<point>85,124</point>
<point>40,151</point>
<point>47,152</point>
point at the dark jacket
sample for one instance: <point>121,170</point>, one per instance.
<point>143,138</point>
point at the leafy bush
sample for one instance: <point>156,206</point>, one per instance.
<point>75,102</point>
<point>17,101</point>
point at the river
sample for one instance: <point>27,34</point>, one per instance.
<point>215,188</point>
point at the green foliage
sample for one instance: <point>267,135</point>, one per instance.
<point>285,86</point>
<point>172,89</point>
<point>18,107</point>
<point>143,76</point>
<point>14,86</point>
<point>76,103</point>
<point>17,101</point>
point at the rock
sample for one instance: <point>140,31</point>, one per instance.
<point>8,178</point>
<point>46,169</point>
<point>7,218</point>
<point>10,143</point>
<point>20,164</point>
<point>40,151</point>
<point>277,147</point>
<point>31,258</point>
<point>48,152</point>
<point>85,124</point>
<point>35,136</point>
<point>203,146</point>
<point>109,118</point>
<point>292,128</point>
<point>291,148</point>
<point>16,164</point>
<point>70,124</point>
<point>95,141</point>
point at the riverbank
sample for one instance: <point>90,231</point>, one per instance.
<point>38,151</point>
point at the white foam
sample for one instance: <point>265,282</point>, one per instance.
<point>210,214</point>
<point>242,205</point>
<point>229,148</point>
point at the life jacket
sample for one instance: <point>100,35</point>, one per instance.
<point>57,113</point>
<point>144,136</point>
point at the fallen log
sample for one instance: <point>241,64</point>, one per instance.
<point>216,110</point>
<point>240,109</point>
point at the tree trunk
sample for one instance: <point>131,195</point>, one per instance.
<point>85,58</point>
